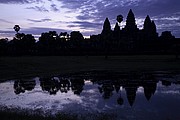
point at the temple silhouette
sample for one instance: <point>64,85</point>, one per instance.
<point>119,41</point>
<point>131,39</point>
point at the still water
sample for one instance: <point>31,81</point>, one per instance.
<point>126,96</point>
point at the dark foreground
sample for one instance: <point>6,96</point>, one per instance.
<point>17,67</point>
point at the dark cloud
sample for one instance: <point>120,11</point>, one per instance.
<point>41,20</point>
<point>37,8</point>
<point>54,8</point>
<point>18,1</point>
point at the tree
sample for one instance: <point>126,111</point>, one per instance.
<point>47,43</point>
<point>17,28</point>
<point>27,43</point>
<point>63,34</point>
<point>76,39</point>
<point>119,18</point>
<point>76,36</point>
<point>3,46</point>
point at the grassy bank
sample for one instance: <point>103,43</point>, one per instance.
<point>16,67</point>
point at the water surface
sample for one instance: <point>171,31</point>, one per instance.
<point>126,96</point>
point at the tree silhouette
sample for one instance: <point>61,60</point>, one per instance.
<point>17,28</point>
<point>76,36</point>
<point>20,86</point>
<point>75,43</point>
<point>119,18</point>
<point>3,46</point>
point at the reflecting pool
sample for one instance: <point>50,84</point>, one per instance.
<point>126,96</point>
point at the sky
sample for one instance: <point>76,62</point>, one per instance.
<point>86,16</point>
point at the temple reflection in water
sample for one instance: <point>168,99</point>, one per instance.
<point>107,82</point>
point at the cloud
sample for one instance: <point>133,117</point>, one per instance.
<point>19,1</point>
<point>41,20</point>
<point>39,30</point>
<point>98,10</point>
<point>37,8</point>
<point>85,24</point>
<point>168,22</point>
<point>54,8</point>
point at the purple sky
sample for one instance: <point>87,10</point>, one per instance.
<point>86,16</point>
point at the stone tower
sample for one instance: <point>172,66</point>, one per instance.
<point>149,29</point>
<point>106,27</point>
<point>130,22</point>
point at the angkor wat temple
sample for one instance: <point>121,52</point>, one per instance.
<point>133,40</point>
<point>120,41</point>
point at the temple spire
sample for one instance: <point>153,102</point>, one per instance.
<point>106,27</point>
<point>149,29</point>
<point>130,21</point>
<point>147,23</point>
<point>154,27</point>
<point>116,28</point>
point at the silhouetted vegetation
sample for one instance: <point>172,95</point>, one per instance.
<point>128,40</point>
